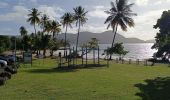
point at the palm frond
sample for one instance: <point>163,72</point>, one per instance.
<point>122,25</point>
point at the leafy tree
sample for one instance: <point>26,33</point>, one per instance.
<point>80,18</point>
<point>45,43</point>
<point>93,44</point>
<point>163,36</point>
<point>4,43</point>
<point>120,14</point>
<point>116,49</point>
<point>53,45</point>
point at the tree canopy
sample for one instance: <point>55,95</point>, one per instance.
<point>163,36</point>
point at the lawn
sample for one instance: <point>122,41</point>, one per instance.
<point>118,82</point>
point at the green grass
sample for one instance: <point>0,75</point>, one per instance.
<point>118,82</point>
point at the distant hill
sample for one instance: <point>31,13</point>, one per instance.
<point>150,41</point>
<point>104,38</point>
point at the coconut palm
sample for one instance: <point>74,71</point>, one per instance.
<point>34,17</point>
<point>55,28</point>
<point>120,14</point>
<point>80,18</point>
<point>23,33</point>
<point>66,20</point>
<point>47,27</point>
<point>44,20</point>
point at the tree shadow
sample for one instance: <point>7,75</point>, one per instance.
<point>88,66</point>
<point>52,70</point>
<point>155,89</point>
<point>65,69</point>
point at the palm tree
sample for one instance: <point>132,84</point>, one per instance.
<point>34,17</point>
<point>44,20</point>
<point>55,28</point>
<point>66,20</point>
<point>47,27</point>
<point>23,33</point>
<point>80,18</point>
<point>120,14</point>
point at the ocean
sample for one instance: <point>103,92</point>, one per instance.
<point>136,51</point>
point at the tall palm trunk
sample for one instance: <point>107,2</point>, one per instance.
<point>115,32</point>
<point>78,37</point>
<point>52,51</point>
<point>65,41</point>
<point>36,39</point>
<point>35,29</point>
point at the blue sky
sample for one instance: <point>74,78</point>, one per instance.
<point>13,14</point>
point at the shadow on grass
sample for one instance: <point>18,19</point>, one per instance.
<point>64,69</point>
<point>53,70</point>
<point>156,89</point>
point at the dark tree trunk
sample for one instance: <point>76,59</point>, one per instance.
<point>78,37</point>
<point>115,32</point>
<point>51,53</point>
<point>65,42</point>
<point>35,29</point>
<point>44,52</point>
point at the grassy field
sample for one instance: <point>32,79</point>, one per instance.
<point>118,82</point>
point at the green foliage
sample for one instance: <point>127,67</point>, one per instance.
<point>93,44</point>
<point>116,49</point>
<point>4,43</point>
<point>163,36</point>
<point>80,15</point>
<point>34,16</point>
<point>120,14</point>
<point>67,19</point>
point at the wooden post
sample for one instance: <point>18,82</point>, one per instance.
<point>93,56</point>
<point>145,62</point>
<point>69,58</point>
<point>73,57</point>
<point>122,61</point>
<point>82,56</point>
<point>60,59</point>
<point>137,61</point>
<point>86,56</point>
<point>130,61</point>
<point>66,55</point>
<point>98,56</point>
<point>107,60</point>
<point>117,61</point>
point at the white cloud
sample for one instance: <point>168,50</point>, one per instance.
<point>51,11</point>
<point>98,12</point>
<point>19,14</point>
<point>144,25</point>
<point>142,2</point>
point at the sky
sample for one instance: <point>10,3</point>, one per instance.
<point>13,15</point>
